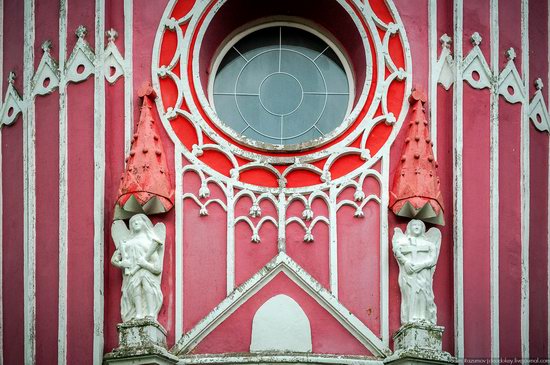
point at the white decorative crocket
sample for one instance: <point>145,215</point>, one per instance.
<point>416,252</point>
<point>140,254</point>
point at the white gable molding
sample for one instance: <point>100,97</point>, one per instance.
<point>476,64</point>
<point>538,111</point>
<point>281,263</point>
<point>13,103</point>
<point>80,64</point>
<point>509,78</point>
<point>445,68</point>
<point>46,78</point>
<point>113,63</point>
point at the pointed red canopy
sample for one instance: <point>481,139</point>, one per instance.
<point>145,186</point>
<point>415,192</point>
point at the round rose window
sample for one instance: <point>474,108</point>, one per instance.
<point>281,85</point>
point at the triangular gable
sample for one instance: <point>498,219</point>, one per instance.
<point>281,263</point>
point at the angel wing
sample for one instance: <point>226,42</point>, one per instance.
<point>398,235</point>
<point>160,231</point>
<point>434,235</point>
<point>119,232</point>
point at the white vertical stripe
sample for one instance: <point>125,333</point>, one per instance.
<point>99,180</point>
<point>1,185</point>
<point>525,181</point>
<point>548,205</point>
<point>281,231</point>
<point>384,249</point>
<point>457,184</point>
<point>333,241</point>
<point>128,73</point>
<point>432,45</point>
<point>494,185</point>
<point>230,264</point>
<point>29,230</point>
<point>179,243</point>
<point>63,189</point>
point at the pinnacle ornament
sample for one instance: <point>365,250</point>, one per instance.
<point>145,185</point>
<point>416,191</point>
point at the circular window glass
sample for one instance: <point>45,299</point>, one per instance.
<point>281,86</point>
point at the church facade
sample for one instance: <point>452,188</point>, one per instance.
<point>239,181</point>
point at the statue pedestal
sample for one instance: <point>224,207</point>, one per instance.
<point>419,343</point>
<point>141,341</point>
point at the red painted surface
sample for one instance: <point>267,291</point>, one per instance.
<point>476,184</point>
<point>510,212</point>
<point>359,259</point>
<point>205,238</point>
<point>204,247</point>
<point>251,257</point>
<point>81,223</point>
<point>114,155</point>
<point>12,195</point>
<point>337,22</point>
<point>80,245</point>
<point>539,164</point>
<point>47,232</point>
<point>12,244</point>
<point>147,176</point>
<point>47,197</point>
<point>311,256</point>
<point>327,335</point>
<point>444,279</point>
<point>416,182</point>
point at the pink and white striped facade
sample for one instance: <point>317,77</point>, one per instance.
<point>67,122</point>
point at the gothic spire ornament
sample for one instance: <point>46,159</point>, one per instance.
<point>416,192</point>
<point>145,186</point>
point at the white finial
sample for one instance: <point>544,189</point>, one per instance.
<point>476,39</point>
<point>445,41</point>
<point>11,77</point>
<point>81,31</point>
<point>510,54</point>
<point>47,45</point>
<point>538,84</point>
<point>112,35</point>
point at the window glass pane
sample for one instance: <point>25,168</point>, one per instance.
<point>281,85</point>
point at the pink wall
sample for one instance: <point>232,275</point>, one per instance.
<point>538,228</point>
<point>476,155</point>
<point>509,183</point>
<point>12,195</point>
<point>204,258</point>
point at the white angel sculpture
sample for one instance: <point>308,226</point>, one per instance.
<point>416,252</point>
<point>140,254</point>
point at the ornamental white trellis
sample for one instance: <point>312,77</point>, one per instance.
<point>328,191</point>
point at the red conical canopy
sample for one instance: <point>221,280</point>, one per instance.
<point>145,186</point>
<point>415,192</point>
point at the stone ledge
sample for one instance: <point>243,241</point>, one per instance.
<point>141,341</point>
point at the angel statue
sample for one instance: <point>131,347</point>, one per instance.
<point>140,254</point>
<point>416,252</point>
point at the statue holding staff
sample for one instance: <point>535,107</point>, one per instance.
<point>140,254</point>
